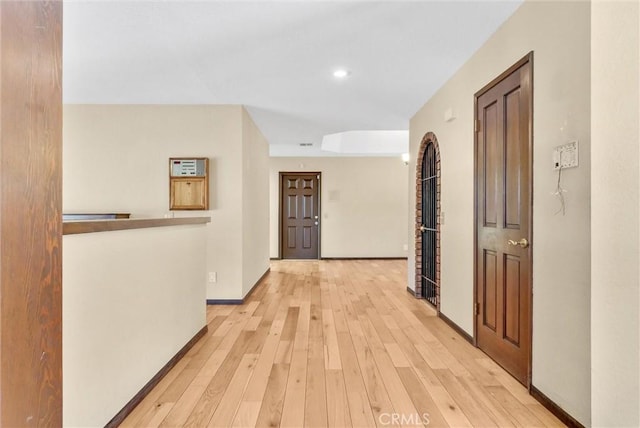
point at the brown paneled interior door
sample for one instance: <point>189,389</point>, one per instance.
<point>300,215</point>
<point>503,275</point>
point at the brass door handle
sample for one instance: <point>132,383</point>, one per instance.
<point>422,228</point>
<point>523,243</point>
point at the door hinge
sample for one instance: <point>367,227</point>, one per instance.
<point>476,125</point>
<point>318,176</point>
<point>476,309</point>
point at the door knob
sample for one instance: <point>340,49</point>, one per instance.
<point>422,228</point>
<point>523,243</point>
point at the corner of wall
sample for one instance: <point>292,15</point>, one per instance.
<point>255,203</point>
<point>615,206</point>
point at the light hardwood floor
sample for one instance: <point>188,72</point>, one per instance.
<point>335,343</point>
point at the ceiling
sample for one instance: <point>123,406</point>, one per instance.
<point>276,58</point>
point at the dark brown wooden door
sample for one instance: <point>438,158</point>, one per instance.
<point>503,165</point>
<point>300,215</point>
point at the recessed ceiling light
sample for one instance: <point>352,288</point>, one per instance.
<point>341,73</point>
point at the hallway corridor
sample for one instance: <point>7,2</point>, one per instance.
<point>335,343</point>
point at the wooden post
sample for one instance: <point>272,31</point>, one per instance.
<point>30,213</point>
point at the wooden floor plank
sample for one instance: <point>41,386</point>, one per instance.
<point>360,409</point>
<point>251,401</point>
<point>214,393</point>
<point>450,409</point>
<point>545,417</point>
<point>491,405</point>
<point>508,381</point>
<point>271,408</point>
<point>426,407</point>
<point>184,406</point>
<point>226,410</point>
<point>294,400</point>
<point>335,343</point>
<point>155,415</point>
<point>331,350</point>
<point>397,393</point>
<point>515,408</point>
<point>337,404</point>
<point>473,409</point>
<point>378,396</point>
<point>152,399</point>
<point>315,413</point>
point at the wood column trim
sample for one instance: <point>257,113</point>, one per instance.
<point>31,213</point>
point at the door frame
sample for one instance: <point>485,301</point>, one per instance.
<point>528,58</point>
<point>282,174</point>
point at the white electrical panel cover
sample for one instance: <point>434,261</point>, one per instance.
<point>565,156</point>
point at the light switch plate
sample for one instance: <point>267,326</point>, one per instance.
<point>565,156</point>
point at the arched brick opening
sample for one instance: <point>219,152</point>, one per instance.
<point>429,139</point>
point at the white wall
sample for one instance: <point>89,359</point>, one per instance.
<point>116,159</point>
<point>255,204</point>
<point>363,204</point>
<point>559,34</point>
<point>615,306</point>
<point>132,299</point>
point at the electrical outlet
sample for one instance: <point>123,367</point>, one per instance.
<point>213,277</point>
<point>405,247</point>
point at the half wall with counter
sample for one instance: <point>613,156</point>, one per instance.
<point>134,294</point>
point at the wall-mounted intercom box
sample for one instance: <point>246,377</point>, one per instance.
<point>565,156</point>
<point>188,184</point>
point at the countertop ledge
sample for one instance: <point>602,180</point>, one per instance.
<point>93,226</point>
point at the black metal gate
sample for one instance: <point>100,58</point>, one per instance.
<point>429,224</point>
